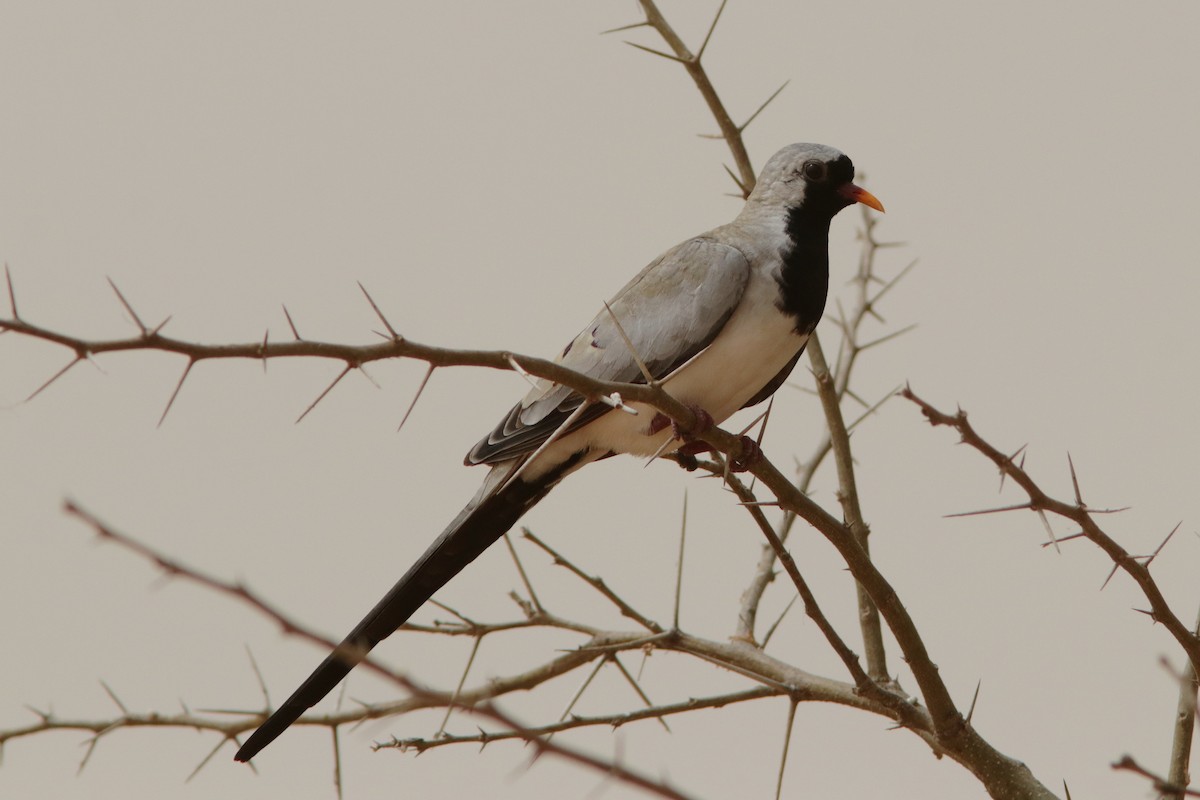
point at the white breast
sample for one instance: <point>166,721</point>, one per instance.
<point>756,343</point>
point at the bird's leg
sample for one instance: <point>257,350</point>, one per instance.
<point>692,446</point>
<point>751,453</point>
<point>704,421</point>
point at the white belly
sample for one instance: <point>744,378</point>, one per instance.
<point>756,343</point>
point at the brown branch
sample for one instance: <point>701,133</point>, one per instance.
<point>657,712</point>
<point>484,709</point>
<point>848,657</point>
<point>839,437</point>
<point>1179,767</point>
<point>849,352</point>
<point>1161,785</point>
<point>597,583</point>
<point>1080,514</point>
<point>730,131</point>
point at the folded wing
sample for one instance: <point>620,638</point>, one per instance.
<point>684,298</point>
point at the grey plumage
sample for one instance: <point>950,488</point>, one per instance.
<point>720,319</point>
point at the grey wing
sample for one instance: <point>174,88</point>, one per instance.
<point>671,311</point>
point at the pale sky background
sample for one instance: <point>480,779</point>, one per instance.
<point>492,171</point>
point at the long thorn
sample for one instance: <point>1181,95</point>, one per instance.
<point>1019,451</point>
<point>679,567</point>
<point>1158,549</point>
<point>292,325</point>
<point>512,551</point>
<point>328,389</point>
<point>204,761</point>
<point>1111,573</point>
<point>637,688</point>
<point>600,662</point>
<point>642,24</point>
<point>771,630</point>
<point>665,446</point>
<point>113,696</point>
<point>12,296</point>
<point>52,379</point>
<point>787,740</point>
<point>888,286</point>
<point>1018,507</point>
<point>654,52</point>
<point>379,313</point>
<point>637,358</point>
<point>129,308</point>
<point>416,397</point>
<point>766,103</point>
<point>462,680</point>
<point>1049,530</point>
<point>974,700</point>
<point>186,371</point>
<point>741,186</point>
<point>1075,481</point>
<point>711,28</point>
<point>886,338</point>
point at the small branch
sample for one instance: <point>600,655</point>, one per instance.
<point>596,583</point>
<point>574,722</point>
<point>1162,785</point>
<point>1039,501</point>
<point>729,130</point>
<point>1179,769</point>
<point>868,614</point>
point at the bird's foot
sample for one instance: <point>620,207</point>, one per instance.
<point>751,454</point>
<point>704,422</point>
<point>687,452</point>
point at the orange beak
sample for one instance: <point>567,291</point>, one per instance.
<point>857,194</point>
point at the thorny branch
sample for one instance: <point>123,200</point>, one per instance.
<point>774,678</point>
<point>942,726</point>
<point>1179,769</point>
<point>833,387</point>
<point>831,395</point>
<point>1077,512</point>
<point>478,706</point>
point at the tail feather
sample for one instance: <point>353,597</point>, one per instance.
<point>489,516</point>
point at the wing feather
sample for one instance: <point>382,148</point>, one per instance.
<point>671,311</point>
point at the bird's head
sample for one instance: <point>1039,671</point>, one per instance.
<point>812,177</point>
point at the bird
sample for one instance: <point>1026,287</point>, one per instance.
<point>719,321</point>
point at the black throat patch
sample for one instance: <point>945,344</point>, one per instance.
<point>804,279</point>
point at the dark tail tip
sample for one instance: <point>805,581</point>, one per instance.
<point>268,732</point>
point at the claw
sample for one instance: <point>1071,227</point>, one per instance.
<point>751,453</point>
<point>694,448</point>
<point>687,461</point>
<point>704,421</point>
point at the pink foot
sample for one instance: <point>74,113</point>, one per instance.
<point>751,453</point>
<point>704,421</point>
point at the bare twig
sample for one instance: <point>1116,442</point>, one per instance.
<point>1179,768</point>
<point>1041,502</point>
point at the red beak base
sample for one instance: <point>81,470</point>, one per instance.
<point>857,194</point>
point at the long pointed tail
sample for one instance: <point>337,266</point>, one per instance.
<point>489,516</point>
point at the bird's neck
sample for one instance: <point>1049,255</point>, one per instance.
<point>804,276</point>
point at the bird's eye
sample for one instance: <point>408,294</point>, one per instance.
<point>814,170</point>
